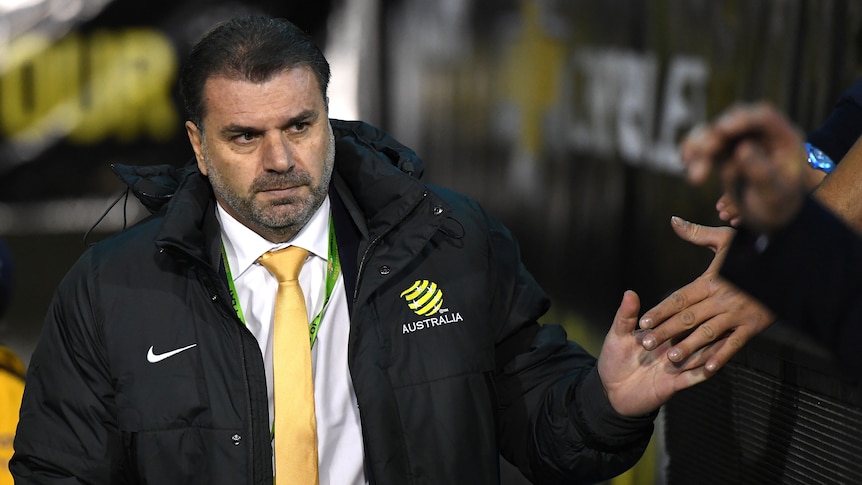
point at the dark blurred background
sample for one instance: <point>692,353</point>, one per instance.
<point>560,116</point>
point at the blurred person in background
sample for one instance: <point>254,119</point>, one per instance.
<point>799,253</point>
<point>157,360</point>
<point>11,371</point>
<point>708,309</point>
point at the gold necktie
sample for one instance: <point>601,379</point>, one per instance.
<point>295,422</point>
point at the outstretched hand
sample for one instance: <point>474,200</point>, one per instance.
<point>637,381</point>
<point>707,311</point>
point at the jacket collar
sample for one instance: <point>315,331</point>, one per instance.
<point>380,175</point>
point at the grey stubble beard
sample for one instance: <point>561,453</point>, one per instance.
<point>264,219</point>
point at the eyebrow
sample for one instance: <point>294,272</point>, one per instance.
<point>305,116</point>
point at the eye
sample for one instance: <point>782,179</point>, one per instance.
<point>300,126</point>
<point>244,138</point>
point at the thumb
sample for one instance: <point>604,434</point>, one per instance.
<point>626,318</point>
<point>715,238</point>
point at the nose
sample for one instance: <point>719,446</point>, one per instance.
<point>277,153</point>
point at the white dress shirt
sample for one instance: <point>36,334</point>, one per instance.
<point>339,434</point>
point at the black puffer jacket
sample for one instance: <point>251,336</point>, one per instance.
<point>441,394</point>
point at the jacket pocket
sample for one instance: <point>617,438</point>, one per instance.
<point>451,428</point>
<point>187,456</point>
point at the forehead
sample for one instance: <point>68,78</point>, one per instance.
<point>285,94</point>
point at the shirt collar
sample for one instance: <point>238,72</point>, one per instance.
<point>243,246</point>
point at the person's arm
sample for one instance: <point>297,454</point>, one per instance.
<point>799,264</point>
<point>808,272</point>
<point>67,430</point>
<point>841,128</point>
<point>564,416</point>
<point>752,148</point>
<point>555,422</point>
<point>841,191</point>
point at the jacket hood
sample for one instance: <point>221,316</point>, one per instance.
<point>379,174</point>
<point>153,185</point>
<point>367,136</point>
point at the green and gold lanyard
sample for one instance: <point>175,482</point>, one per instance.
<point>333,267</point>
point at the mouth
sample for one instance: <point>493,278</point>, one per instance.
<point>281,187</point>
<point>281,192</point>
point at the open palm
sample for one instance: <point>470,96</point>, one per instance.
<point>638,381</point>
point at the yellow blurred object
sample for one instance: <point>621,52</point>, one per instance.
<point>644,472</point>
<point>11,389</point>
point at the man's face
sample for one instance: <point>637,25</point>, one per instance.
<point>267,149</point>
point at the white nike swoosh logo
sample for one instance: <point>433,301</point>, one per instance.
<point>153,357</point>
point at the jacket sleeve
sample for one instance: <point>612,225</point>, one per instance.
<point>556,424</point>
<point>810,274</point>
<point>67,431</point>
<point>841,128</point>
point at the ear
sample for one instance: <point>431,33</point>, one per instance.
<point>196,139</point>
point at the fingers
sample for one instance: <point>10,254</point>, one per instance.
<point>672,308</point>
<point>716,355</point>
<point>703,335</point>
<point>768,185</point>
<point>679,326</point>
<point>696,151</point>
<point>625,320</point>
<point>740,318</point>
<point>740,119</point>
<point>700,357</point>
<point>690,377</point>
<point>727,348</point>
<point>715,238</point>
<point>669,311</point>
<point>754,162</point>
<point>695,368</point>
<point>670,377</point>
<point>708,144</point>
<point>771,126</point>
<point>704,144</point>
<point>727,210</point>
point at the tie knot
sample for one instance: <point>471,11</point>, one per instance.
<point>285,263</point>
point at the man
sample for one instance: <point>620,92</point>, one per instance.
<point>157,359</point>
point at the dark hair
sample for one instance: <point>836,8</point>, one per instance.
<point>249,48</point>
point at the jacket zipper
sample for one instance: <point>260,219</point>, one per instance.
<point>376,241</point>
<point>250,438</point>
<point>251,442</point>
<point>365,256</point>
<point>212,280</point>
